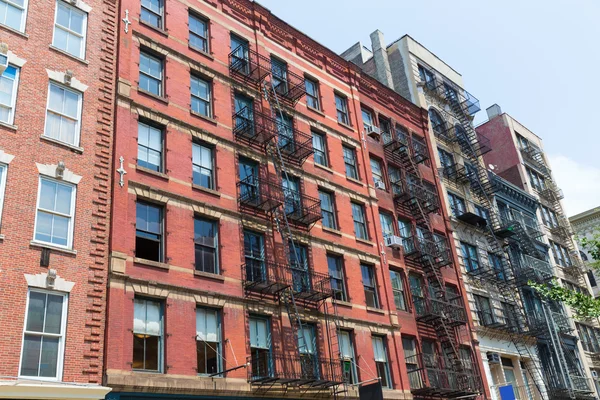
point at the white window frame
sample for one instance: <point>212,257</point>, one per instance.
<point>77,137</point>
<point>61,343</point>
<point>71,212</point>
<point>23,18</point>
<point>83,35</point>
<point>13,100</point>
<point>4,169</point>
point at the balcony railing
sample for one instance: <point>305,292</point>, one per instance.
<point>420,152</point>
<point>429,310</point>
<point>310,286</point>
<point>460,100</point>
<point>253,127</point>
<point>289,87</point>
<point>455,173</point>
<point>417,195</point>
<point>248,66</point>
<point>533,155</point>
<point>534,269</point>
<point>551,192</point>
<point>472,144</point>
<point>295,146</point>
<point>293,370</point>
<point>424,250</point>
<point>500,321</point>
<point>301,209</point>
<point>511,220</point>
<point>397,144</point>
<point>437,382</point>
<point>260,193</point>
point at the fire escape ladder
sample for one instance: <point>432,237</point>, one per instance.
<point>332,322</point>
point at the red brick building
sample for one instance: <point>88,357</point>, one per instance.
<point>56,115</point>
<point>232,126</point>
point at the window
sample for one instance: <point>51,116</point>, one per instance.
<point>254,256</point>
<point>3,173</point>
<point>198,33</point>
<point>308,351</point>
<point>495,261</point>
<point>147,335</point>
<point>201,96</point>
<point>457,205</point>
<point>369,285</point>
<point>292,197</point>
<point>405,228</point>
<point>347,354</point>
<point>484,310</point>
<point>62,114</point>
<point>279,73</point>
<point>380,353</point>
<point>312,93</point>
<point>427,77</point>
<point>341,106</point>
<point>398,290</point>
<point>560,254</point>
<point>395,181</point>
<point>70,29</point>
<point>538,182</point>
<point>12,14</point>
<point>206,245</point>
<point>151,74</point>
<point>367,118</point>
<point>335,266</point>
<point>320,148</point>
<point>149,232</point>
<point>377,173</point>
<point>387,224</point>
<point>152,12</point>
<point>360,225</point>
<point>470,257</point>
<point>285,133</point>
<point>55,213</point>
<point>150,147</point>
<point>482,212</point>
<point>437,122</point>
<point>298,262</point>
<point>447,161</point>
<point>44,335</point>
<point>327,210</point>
<point>203,166</point>
<point>412,362</point>
<point>350,162</point>
<point>511,318</point>
<point>208,341</point>
<point>550,218</point>
<point>9,81</point>
<point>240,54</point>
<point>260,348</point>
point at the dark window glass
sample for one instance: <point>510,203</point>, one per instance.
<point>206,245</point>
<point>149,232</point>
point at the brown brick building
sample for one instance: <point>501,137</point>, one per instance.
<point>276,224</point>
<point>56,113</point>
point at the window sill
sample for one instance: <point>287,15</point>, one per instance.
<point>200,51</point>
<point>376,310</point>
<point>208,275</point>
<point>149,263</point>
<point>324,168</point>
<point>151,172</point>
<point>9,126</point>
<point>75,149</point>
<point>43,245</point>
<point>363,241</point>
<point>206,190</point>
<point>2,238</point>
<point>349,127</point>
<point>204,117</point>
<point>355,181</point>
<point>81,60</point>
<point>343,303</point>
<point>331,230</point>
<point>13,30</point>
<point>163,32</point>
<point>316,110</point>
<point>152,95</point>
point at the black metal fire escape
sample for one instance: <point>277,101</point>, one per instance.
<point>299,289</point>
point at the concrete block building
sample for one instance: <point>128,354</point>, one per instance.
<point>57,63</point>
<point>277,224</point>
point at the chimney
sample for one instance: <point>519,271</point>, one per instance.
<point>380,56</point>
<point>493,111</point>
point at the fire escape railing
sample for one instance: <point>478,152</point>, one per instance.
<point>533,155</point>
<point>253,127</point>
<point>533,269</point>
<point>301,209</point>
<point>248,66</point>
<point>295,146</point>
<point>260,193</point>
<point>448,92</point>
<point>428,310</point>
<point>433,381</point>
<point>290,87</point>
<point>455,172</point>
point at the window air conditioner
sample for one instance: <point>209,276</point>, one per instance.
<point>374,132</point>
<point>493,358</point>
<point>380,185</point>
<point>395,242</point>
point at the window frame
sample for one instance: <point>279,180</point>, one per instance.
<point>161,341</point>
<point>456,202</point>
<point>268,340</point>
<point>386,364</point>
<point>152,126</point>
<point>161,241</point>
<point>219,328</point>
<point>161,80</point>
<point>161,15</point>
<point>386,220</point>
<point>23,15</point>
<point>83,35</point>
<point>213,183</point>
<point>193,14</point>
<point>372,276</point>
<point>352,165</point>
<point>322,152</point>
<point>62,335</point>
<point>77,138</point>
<point>363,233</point>
<point>208,102</point>
<point>380,176</point>
<point>13,101</point>
<point>467,259</point>
<point>340,268</point>
<point>352,358</point>
<point>331,212</point>
<point>400,291</point>
<point>215,247</point>
<point>316,97</point>
<point>71,227</point>
<point>343,111</point>
<point>3,180</point>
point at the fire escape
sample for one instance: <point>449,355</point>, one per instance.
<point>452,376</point>
<point>287,279</point>
<point>510,275</point>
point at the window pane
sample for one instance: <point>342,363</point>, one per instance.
<point>35,312</point>
<point>31,355</point>
<point>49,359</point>
<point>54,314</point>
<point>152,353</point>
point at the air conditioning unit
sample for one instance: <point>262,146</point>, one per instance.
<point>395,242</point>
<point>380,185</point>
<point>493,358</point>
<point>594,374</point>
<point>374,132</point>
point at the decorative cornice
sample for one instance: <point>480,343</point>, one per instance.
<point>49,281</point>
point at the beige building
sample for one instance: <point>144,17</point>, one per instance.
<point>585,225</point>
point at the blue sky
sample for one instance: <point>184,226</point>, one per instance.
<point>539,60</point>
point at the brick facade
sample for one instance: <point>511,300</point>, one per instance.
<point>23,144</point>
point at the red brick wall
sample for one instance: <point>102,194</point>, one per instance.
<point>88,267</point>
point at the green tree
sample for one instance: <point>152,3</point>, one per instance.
<point>592,246</point>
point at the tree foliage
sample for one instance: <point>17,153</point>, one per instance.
<point>592,246</point>
<point>584,306</point>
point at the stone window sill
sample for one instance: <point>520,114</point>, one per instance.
<point>355,181</point>
<point>151,172</point>
<point>81,60</point>
<point>317,165</point>
<point>200,51</point>
<point>75,149</point>
<point>343,303</point>
<point>163,32</point>
<point>204,117</point>
<point>152,95</point>
<point>149,263</point>
<point>208,275</point>
<point>332,231</point>
<point>42,245</point>
<point>346,126</point>
<point>206,190</point>
<point>376,310</point>
<point>12,30</point>
<point>315,110</point>
<point>363,241</point>
<point>9,126</point>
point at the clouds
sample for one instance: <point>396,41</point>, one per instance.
<point>579,182</point>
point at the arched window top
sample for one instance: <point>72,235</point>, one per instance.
<point>437,122</point>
